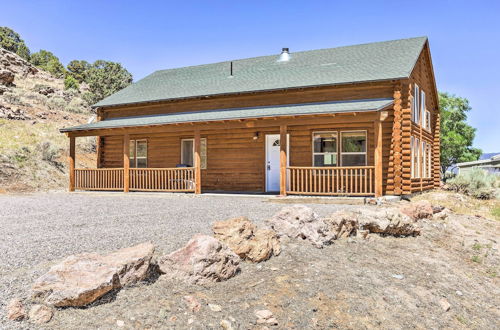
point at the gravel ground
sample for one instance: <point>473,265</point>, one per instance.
<point>38,229</point>
<point>381,282</point>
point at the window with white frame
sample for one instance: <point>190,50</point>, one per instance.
<point>138,153</point>
<point>415,105</point>
<point>423,164</point>
<point>325,149</point>
<point>415,157</point>
<point>427,120</point>
<point>353,148</point>
<point>429,160</point>
<point>187,152</point>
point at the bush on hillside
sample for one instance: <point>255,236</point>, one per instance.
<point>47,61</point>
<point>70,83</point>
<point>476,182</point>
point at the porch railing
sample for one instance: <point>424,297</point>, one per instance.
<point>162,179</point>
<point>99,179</point>
<point>140,179</point>
<point>337,181</point>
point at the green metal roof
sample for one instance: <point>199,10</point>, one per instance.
<point>360,63</point>
<point>239,113</point>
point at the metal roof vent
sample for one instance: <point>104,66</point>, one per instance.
<point>285,55</point>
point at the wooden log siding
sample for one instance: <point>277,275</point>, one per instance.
<point>333,181</point>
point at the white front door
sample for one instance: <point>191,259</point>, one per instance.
<point>273,161</point>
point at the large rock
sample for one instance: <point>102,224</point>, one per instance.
<point>81,279</point>
<point>418,210</point>
<point>132,263</point>
<point>300,221</point>
<point>6,77</point>
<point>204,259</point>
<point>387,221</point>
<point>16,310</point>
<point>246,240</point>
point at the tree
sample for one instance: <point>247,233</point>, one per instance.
<point>78,69</point>
<point>10,40</point>
<point>47,61</point>
<point>105,78</point>
<point>456,135</point>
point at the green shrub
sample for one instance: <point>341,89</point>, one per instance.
<point>476,182</point>
<point>70,83</point>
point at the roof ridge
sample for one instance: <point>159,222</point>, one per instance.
<point>298,52</point>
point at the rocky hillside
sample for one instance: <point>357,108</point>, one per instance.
<point>33,106</point>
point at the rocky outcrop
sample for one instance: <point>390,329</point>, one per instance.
<point>204,259</point>
<point>418,210</point>
<point>300,221</point>
<point>16,64</point>
<point>246,240</point>
<point>8,113</point>
<point>81,279</point>
<point>16,310</point>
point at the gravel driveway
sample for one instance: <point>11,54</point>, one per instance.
<point>38,229</point>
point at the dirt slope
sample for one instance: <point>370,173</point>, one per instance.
<point>33,106</point>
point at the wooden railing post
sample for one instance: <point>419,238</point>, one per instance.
<point>126,162</point>
<point>378,157</point>
<point>283,157</point>
<point>71,160</point>
<point>197,162</point>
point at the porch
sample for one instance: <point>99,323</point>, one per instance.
<point>335,153</point>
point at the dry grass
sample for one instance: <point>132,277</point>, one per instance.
<point>462,204</point>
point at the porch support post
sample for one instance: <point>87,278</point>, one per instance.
<point>378,157</point>
<point>71,160</point>
<point>197,162</point>
<point>283,157</point>
<point>126,163</point>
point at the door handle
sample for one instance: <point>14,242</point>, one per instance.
<point>268,167</point>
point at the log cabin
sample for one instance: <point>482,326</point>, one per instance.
<point>359,120</point>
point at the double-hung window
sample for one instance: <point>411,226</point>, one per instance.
<point>429,160</point>
<point>139,153</point>
<point>415,157</point>
<point>353,148</point>
<point>187,152</point>
<point>427,121</point>
<point>415,105</point>
<point>325,149</point>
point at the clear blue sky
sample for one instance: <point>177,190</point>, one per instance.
<point>150,35</point>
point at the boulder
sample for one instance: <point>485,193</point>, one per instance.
<point>6,77</point>
<point>132,263</point>
<point>81,279</point>
<point>40,314</point>
<point>246,240</point>
<point>387,221</point>
<point>15,310</point>
<point>204,259</point>
<point>299,221</point>
<point>418,210</point>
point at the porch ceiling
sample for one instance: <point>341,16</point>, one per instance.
<point>239,113</point>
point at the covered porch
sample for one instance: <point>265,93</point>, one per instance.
<point>294,162</point>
